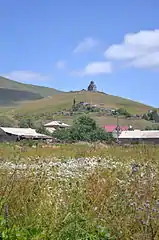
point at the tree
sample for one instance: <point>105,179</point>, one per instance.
<point>26,123</point>
<point>84,128</point>
<point>74,105</point>
<point>151,116</point>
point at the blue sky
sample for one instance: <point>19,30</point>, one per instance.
<point>65,44</point>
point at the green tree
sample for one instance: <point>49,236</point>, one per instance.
<point>84,128</point>
<point>26,123</point>
<point>151,116</point>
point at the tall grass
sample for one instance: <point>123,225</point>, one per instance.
<point>89,192</point>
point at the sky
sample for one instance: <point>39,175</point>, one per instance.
<point>65,44</point>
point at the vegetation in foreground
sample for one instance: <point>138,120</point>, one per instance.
<point>79,191</point>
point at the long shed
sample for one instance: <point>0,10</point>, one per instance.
<point>138,136</point>
<point>14,134</point>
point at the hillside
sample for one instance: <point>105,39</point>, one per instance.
<point>11,96</point>
<point>12,92</point>
<point>64,101</point>
<point>45,110</point>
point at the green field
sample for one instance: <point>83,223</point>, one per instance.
<point>80,191</point>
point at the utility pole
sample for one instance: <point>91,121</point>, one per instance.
<point>118,128</point>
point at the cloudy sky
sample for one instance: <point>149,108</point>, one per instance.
<point>65,44</point>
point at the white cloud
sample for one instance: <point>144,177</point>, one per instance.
<point>61,64</point>
<point>95,68</point>
<point>139,49</point>
<point>26,76</point>
<point>151,60</point>
<point>86,45</point>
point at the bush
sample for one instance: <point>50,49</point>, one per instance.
<point>84,128</point>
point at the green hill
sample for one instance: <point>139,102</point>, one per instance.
<point>46,109</point>
<point>63,101</point>
<point>12,92</point>
<point>43,103</point>
<point>11,96</point>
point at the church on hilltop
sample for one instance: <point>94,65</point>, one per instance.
<point>92,87</point>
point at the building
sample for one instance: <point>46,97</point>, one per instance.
<point>138,136</point>
<point>52,126</point>
<point>115,130</point>
<point>14,134</point>
<point>112,128</point>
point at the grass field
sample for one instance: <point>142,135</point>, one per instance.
<point>80,192</point>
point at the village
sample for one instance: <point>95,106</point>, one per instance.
<point>79,120</point>
<point>121,134</point>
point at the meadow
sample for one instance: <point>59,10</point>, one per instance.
<point>79,191</point>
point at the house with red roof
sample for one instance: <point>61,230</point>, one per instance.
<point>116,130</point>
<point>113,128</point>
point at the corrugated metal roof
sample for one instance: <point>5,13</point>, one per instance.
<point>130,134</point>
<point>56,123</point>
<point>23,132</point>
<point>150,134</point>
<point>139,134</point>
<point>50,129</point>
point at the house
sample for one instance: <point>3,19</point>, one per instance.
<point>15,134</point>
<point>112,128</point>
<point>52,126</point>
<point>138,136</point>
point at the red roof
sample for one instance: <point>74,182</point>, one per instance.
<point>111,128</point>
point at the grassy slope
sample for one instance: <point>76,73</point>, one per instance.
<point>43,91</point>
<point>12,96</point>
<point>64,101</point>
